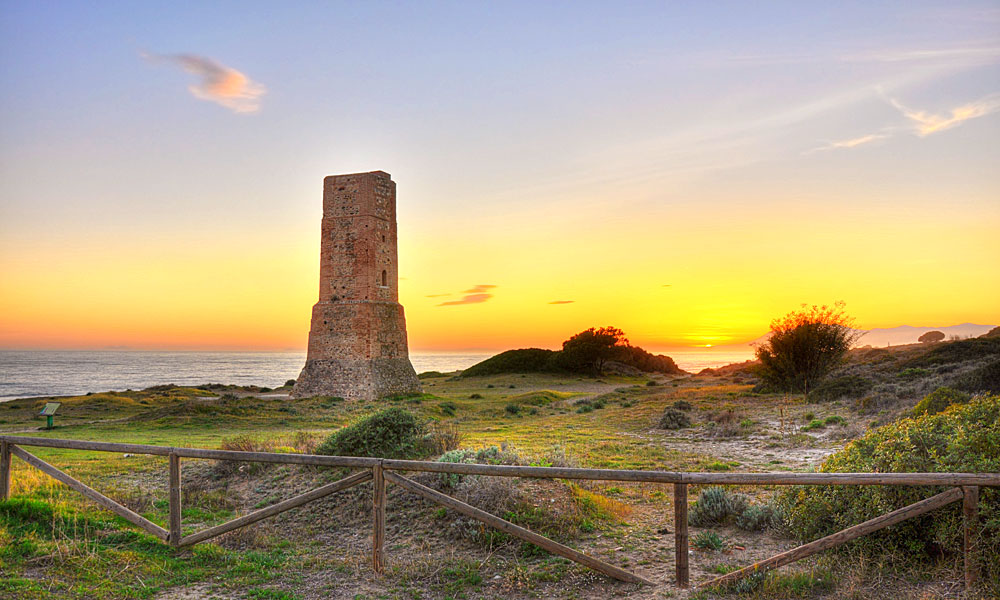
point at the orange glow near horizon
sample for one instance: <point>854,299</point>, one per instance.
<point>683,289</point>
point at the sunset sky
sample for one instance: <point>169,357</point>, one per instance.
<point>684,171</point>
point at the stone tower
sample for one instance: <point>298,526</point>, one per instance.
<point>357,341</point>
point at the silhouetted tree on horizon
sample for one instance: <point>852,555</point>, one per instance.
<point>930,337</point>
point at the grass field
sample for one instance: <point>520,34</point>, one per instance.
<point>57,545</point>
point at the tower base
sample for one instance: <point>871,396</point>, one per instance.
<point>357,379</point>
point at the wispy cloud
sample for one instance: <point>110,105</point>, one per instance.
<point>562,302</point>
<point>850,143</point>
<point>926,123</point>
<point>475,295</point>
<point>216,82</point>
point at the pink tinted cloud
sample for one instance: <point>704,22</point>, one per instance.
<point>216,82</point>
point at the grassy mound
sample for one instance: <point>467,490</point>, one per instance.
<point>389,433</point>
<point>963,438</point>
<point>526,360</point>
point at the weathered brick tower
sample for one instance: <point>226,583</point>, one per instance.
<point>357,342</point>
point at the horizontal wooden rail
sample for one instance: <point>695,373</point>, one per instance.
<point>267,457</point>
<point>949,479</point>
<point>91,493</point>
<point>945,479</point>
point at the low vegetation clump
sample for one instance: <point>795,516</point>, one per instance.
<point>964,438</point>
<point>716,506</point>
<point>491,455</point>
<point>759,517</point>
<point>824,423</point>
<point>727,423</point>
<point>939,400</point>
<point>708,541</point>
<point>682,405</point>
<point>674,419</point>
<point>390,433</point>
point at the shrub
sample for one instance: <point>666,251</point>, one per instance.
<point>804,346</point>
<point>758,517</point>
<point>715,506</point>
<point>938,400</point>
<point>708,540</point>
<point>390,433</point>
<point>442,438</point>
<point>962,439</point>
<point>682,405</point>
<point>491,455</point>
<point>448,408</point>
<point>848,386</point>
<point>512,409</point>
<point>290,383</point>
<point>674,419</point>
<point>475,396</point>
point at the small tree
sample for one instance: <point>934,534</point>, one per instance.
<point>930,337</point>
<point>804,346</point>
<point>590,349</point>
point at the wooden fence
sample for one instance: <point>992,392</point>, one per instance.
<point>964,486</point>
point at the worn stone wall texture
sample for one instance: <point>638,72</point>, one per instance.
<point>357,341</point>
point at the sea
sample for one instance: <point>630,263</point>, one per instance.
<point>26,374</point>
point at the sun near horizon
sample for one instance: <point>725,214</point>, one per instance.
<point>686,184</point>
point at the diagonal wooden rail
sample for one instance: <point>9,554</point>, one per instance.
<point>965,487</point>
<point>515,530</point>
<point>841,537</point>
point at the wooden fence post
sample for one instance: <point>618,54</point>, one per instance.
<point>378,518</point>
<point>175,499</point>
<point>681,533</point>
<point>970,512</point>
<point>4,470</point>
